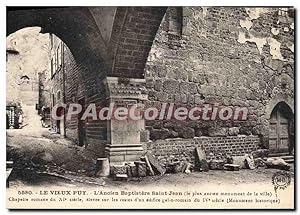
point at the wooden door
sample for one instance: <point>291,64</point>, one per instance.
<point>279,138</point>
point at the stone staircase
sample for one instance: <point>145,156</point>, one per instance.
<point>286,156</point>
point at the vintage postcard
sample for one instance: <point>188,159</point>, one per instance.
<point>150,107</point>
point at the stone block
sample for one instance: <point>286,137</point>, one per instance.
<point>131,170</point>
<point>183,98</point>
<point>185,132</point>
<point>216,165</point>
<point>217,132</point>
<point>198,132</point>
<point>239,160</point>
<point>141,168</point>
<point>161,96</point>
<point>184,87</point>
<point>190,99</point>
<point>158,85</point>
<point>260,153</point>
<point>234,131</point>
<point>118,169</point>
<point>171,86</point>
<point>120,177</point>
<point>157,167</point>
<point>162,72</point>
<point>144,135</point>
<point>177,98</point>
<point>246,130</point>
<point>149,82</point>
<point>199,100</point>
<point>250,162</point>
<point>231,167</point>
<point>156,134</point>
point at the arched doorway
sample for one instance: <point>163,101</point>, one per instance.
<point>281,130</point>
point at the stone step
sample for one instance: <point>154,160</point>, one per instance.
<point>279,154</point>
<point>287,157</point>
<point>289,160</point>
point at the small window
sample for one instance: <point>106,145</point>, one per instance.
<point>58,95</point>
<point>53,99</point>
<point>51,40</point>
<point>51,69</point>
<point>59,56</point>
<point>175,27</point>
<point>24,77</point>
<point>175,21</point>
<point>55,62</point>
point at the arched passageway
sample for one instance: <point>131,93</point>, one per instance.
<point>110,46</point>
<point>117,39</point>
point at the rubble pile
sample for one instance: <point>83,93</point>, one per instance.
<point>149,165</point>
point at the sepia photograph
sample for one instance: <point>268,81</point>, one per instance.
<point>150,107</point>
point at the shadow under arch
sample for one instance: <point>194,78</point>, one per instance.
<point>275,101</point>
<point>75,26</point>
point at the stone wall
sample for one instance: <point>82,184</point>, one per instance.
<point>74,91</point>
<point>235,57</point>
<point>12,78</point>
<point>215,147</point>
<point>22,48</point>
<point>83,83</point>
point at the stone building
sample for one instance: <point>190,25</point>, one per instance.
<point>12,86</point>
<point>189,56</point>
<point>66,84</point>
<point>235,57</point>
<point>21,74</point>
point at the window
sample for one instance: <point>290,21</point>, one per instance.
<point>51,69</point>
<point>56,55</point>
<point>59,56</point>
<point>25,77</point>
<point>51,40</point>
<point>175,27</point>
<point>175,21</point>
<point>58,95</point>
<point>53,99</point>
<point>55,62</point>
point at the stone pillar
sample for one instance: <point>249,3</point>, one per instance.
<point>123,137</point>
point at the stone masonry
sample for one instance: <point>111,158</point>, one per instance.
<point>235,57</point>
<point>214,147</point>
<point>222,56</point>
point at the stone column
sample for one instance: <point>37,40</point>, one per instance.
<point>123,137</point>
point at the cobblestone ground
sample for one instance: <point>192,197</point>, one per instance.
<point>39,154</point>
<point>51,160</point>
<point>259,177</point>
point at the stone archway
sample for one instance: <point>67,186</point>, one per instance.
<point>112,45</point>
<point>74,25</point>
<point>133,32</point>
<point>118,39</point>
<point>281,129</point>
